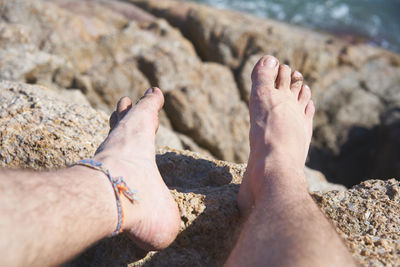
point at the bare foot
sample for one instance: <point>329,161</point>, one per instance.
<point>281,114</point>
<point>129,151</point>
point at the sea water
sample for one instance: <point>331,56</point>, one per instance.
<point>376,22</point>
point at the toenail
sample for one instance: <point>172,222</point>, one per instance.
<point>270,62</point>
<point>150,91</point>
<point>297,77</point>
<point>297,74</point>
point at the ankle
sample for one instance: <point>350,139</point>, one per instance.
<point>275,176</point>
<point>278,155</point>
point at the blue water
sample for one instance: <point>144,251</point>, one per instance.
<point>373,21</point>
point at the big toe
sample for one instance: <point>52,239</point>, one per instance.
<point>264,74</point>
<point>144,114</point>
<point>283,81</point>
<point>152,100</point>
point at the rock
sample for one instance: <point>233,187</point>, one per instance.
<point>167,137</point>
<point>212,114</point>
<point>198,96</point>
<point>37,123</point>
<point>206,190</point>
<point>353,84</point>
<point>41,131</point>
<point>318,182</point>
<point>230,37</point>
<point>367,217</point>
<point>63,46</point>
<point>386,159</point>
<point>108,55</point>
<point>189,144</point>
<point>72,96</point>
<point>108,49</point>
<point>23,61</point>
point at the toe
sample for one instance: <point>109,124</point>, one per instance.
<point>310,109</point>
<point>153,99</point>
<point>283,82</point>
<point>264,73</point>
<point>147,108</point>
<point>296,83</point>
<point>304,96</point>
<point>123,106</point>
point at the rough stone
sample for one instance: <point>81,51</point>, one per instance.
<point>41,131</point>
<point>38,124</point>
<point>209,112</point>
<point>199,96</point>
<point>353,84</point>
<point>109,50</point>
<point>63,46</point>
<point>367,217</point>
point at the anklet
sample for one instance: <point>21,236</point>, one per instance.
<point>120,187</point>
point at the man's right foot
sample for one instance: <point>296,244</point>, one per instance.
<point>129,151</point>
<point>281,114</point>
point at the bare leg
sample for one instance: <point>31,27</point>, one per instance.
<point>284,226</point>
<point>48,217</point>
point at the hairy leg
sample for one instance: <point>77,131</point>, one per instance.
<point>48,217</point>
<point>284,226</point>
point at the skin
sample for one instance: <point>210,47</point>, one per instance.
<point>50,217</point>
<point>284,227</point>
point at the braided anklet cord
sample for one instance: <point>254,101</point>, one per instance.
<point>120,187</point>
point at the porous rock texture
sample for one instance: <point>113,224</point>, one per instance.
<point>108,49</point>
<point>367,216</point>
<point>40,130</point>
<point>354,85</point>
<point>92,52</point>
<point>37,123</point>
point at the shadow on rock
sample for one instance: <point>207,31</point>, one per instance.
<point>207,237</point>
<point>115,251</point>
<point>205,191</point>
<point>367,153</point>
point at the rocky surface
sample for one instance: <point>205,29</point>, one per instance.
<point>107,49</point>
<point>41,130</point>
<point>37,123</point>
<point>111,49</point>
<point>367,217</point>
<point>354,85</point>
<point>92,52</point>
